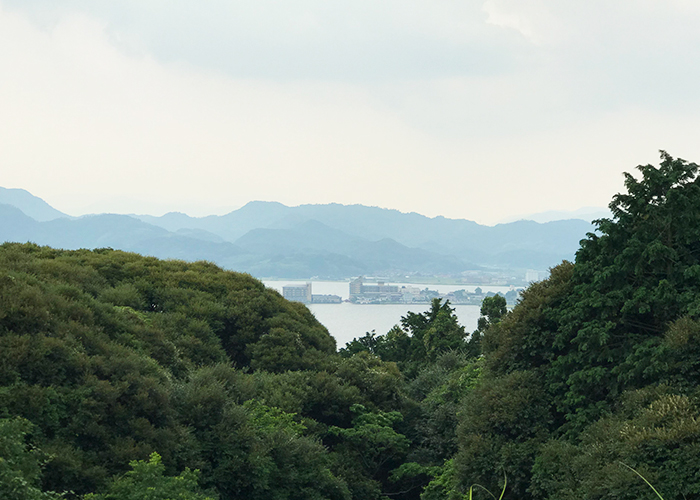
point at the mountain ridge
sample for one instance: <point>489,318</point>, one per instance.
<point>31,205</point>
<point>270,239</point>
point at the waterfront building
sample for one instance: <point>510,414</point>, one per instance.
<point>410,294</point>
<point>374,292</point>
<point>298,293</point>
<point>356,286</point>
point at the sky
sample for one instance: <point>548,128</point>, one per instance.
<point>467,109</point>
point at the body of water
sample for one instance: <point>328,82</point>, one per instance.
<point>347,321</point>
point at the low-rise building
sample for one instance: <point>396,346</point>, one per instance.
<point>374,292</point>
<point>298,293</point>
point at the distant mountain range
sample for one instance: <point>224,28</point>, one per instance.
<point>587,213</point>
<point>268,239</point>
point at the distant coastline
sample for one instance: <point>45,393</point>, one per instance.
<point>411,293</point>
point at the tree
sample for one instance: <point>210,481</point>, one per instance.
<point>369,450</point>
<point>637,274</point>
<point>598,363</point>
<point>146,481</point>
<point>94,345</point>
<point>433,331</point>
<point>443,332</point>
<point>20,463</point>
<point>493,309</point>
<point>420,339</point>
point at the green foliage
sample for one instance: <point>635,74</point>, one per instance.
<point>146,481</point>
<point>654,430</point>
<point>523,339</point>
<point>431,352</point>
<point>380,382</point>
<point>502,425</point>
<point>20,463</point>
<point>645,480</point>
<point>251,450</point>
<point>110,356</point>
<point>598,364</point>
<point>366,453</point>
<point>420,339</point>
<point>266,419</point>
<point>629,282</point>
<point>492,310</point>
<point>439,390</point>
<point>442,486</point>
<point>443,334</point>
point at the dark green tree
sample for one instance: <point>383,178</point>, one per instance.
<point>420,339</point>
<point>639,272</point>
<point>493,309</point>
<point>582,359</point>
<point>112,355</point>
<point>368,451</point>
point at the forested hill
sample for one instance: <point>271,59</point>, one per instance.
<point>128,377</point>
<point>331,241</point>
<point>594,373</point>
<point>110,356</point>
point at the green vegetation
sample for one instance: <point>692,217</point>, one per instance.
<point>595,366</point>
<point>598,364</point>
<point>146,480</point>
<point>126,377</point>
<point>20,465</point>
<point>108,357</point>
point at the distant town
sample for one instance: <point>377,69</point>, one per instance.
<point>379,292</point>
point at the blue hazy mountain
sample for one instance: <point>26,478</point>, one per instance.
<point>328,244</point>
<point>34,207</point>
<point>110,230</point>
<point>535,245</point>
<point>334,241</point>
<point>586,213</point>
<point>230,227</point>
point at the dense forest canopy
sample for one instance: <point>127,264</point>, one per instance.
<point>122,374</point>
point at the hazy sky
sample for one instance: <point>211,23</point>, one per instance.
<point>468,109</point>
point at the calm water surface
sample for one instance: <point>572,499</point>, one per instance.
<point>347,321</point>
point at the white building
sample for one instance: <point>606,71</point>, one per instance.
<point>297,293</point>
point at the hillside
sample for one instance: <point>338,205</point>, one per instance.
<point>112,355</point>
<point>107,357</point>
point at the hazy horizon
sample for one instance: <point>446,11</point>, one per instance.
<point>478,110</point>
<point>541,217</point>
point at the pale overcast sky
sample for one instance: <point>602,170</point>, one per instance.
<point>467,109</point>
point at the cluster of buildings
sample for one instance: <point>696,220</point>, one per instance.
<point>302,293</point>
<point>379,292</point>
